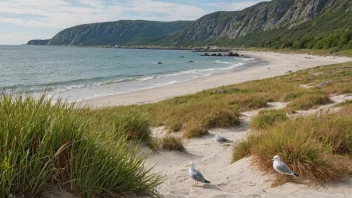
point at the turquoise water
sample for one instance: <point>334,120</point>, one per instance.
<point>80,73</point>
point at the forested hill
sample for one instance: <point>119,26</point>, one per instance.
<point>276,24</point>
<point>115,33</point>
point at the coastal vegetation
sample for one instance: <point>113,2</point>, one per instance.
<point>93,152</point>
<point>194,114</point>
<point>45,144</point>
<point>267,118</point>
<point>318,147</point>
<point>171,143</point>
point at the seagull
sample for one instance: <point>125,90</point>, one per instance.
<point>221,139</point>
<point>281,167</point>
<point>196,175</point>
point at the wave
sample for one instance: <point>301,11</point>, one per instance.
<point>199,71</point>
<point>165,79</point>
<point>222,62</point>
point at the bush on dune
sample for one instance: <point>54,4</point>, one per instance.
<point>44,144</point>
<point>267,118</point>
<point>317,147</point>
<point>171,143</point>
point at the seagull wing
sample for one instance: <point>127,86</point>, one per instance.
<point>283,168</point>
<point>196,175</point>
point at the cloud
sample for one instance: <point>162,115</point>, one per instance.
<point>63,14</point>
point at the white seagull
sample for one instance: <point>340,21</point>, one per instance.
<point>281,167</point>
<point>196,175</point>
<point>221,139</point>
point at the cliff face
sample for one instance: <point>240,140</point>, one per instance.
<point>263,16</point>
<point>235,25</point>
<point>114,33</point>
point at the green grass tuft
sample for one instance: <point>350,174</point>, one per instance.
<point>243,148</point>
<point>308,101</point>
<point>267,118</point>
<point>345,103</point>
<point>317,147</point>
<point>171,143</point>
<point>56,144</point>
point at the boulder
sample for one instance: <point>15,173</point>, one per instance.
<point>213,54</point>
<point>219,54</point>
<point>159,63</point>
<point>230,53</point>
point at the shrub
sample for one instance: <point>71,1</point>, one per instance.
<point>267,117</point>
<point>171,143</point>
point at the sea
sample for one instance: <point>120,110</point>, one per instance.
<point>78,73</point>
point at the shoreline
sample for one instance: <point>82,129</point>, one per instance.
<point>275,64</point>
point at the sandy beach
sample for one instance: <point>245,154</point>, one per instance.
<point>273,64</point>
<point>239,179</point>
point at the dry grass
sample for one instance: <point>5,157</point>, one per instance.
<point>317,147</point>
<point>171,143</point>
<point>267,118</point>
<point>308,101</point>
<point>195,114</point>
<point>345,103</point>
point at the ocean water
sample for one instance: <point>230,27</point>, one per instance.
<point>76,73</point>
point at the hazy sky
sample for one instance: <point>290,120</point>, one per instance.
<point>23,20</point>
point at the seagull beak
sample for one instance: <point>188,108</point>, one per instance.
<point>187,165</point>
<point>272,159</point>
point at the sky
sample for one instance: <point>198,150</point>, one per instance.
<point>23,20</point>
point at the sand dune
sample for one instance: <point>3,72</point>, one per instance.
<point>239,179</point>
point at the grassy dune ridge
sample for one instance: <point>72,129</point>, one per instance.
<point>221,107</point>
<point>44,144</point>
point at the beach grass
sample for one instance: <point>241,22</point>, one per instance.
<point>195,114</point>
<point>308,101</point>
<point>317,147</point>
<point>267,118</point>
<point>171,143</point>
<point>45,144</point>
<point>345,103</point>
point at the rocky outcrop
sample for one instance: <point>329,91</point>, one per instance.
<point>231,54</point>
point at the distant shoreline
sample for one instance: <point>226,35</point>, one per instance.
<point>276,64</point>
<point>152,47</point>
